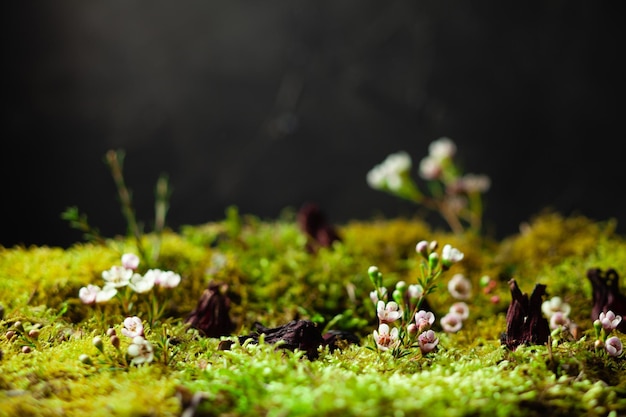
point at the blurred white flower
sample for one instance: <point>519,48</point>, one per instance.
<point>130,261</point>
<point>141,351</point>
<point>460,287</point>
<point>117,276</point>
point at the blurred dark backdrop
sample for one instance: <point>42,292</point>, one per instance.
<point>267,105</point>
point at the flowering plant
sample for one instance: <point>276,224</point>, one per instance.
<point>403,324</point>
<point>605,325</point>
<point>122,281</point>
<point>456,196</point>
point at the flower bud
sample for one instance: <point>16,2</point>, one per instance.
<point>85,359</point>
<point>26,349</point>
<point>115,341</point>
<point>598,344</point>
<point>97,342</point>
<point>19,326</point>
<point>10,335</point>
<point>433,246</point>
<point>375,276</point>
<point>111,332</point>
<point>597,325</point>
<point>34,333</point>
<point>433,260</point>
<point>398,297</point>
<point>412,329</point>
<point>422,248</point>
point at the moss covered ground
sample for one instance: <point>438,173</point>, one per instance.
<point>272,278</point>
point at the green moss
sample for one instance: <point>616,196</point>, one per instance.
<point>272,278</point>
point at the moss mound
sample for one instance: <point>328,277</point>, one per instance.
<point>50,366</point>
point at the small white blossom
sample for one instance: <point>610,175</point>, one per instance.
<point>106,294</point>
<point>389,173</point>
<point>141,283</point>
<point>164,279</point>
<point>460,308</point>
<point>450,255</point>
<point>130,261</point>
<point>117,276</point>
<point>389,312</point>
<point>430,168</point>
<point>460,287</point>
<point>559,320</point>
<point>374,295</point>
<point>427,341</point>
<point>553,305</point>
<point>451,322</point>
<point>386,339</point>
<point>614,346</point>
<point>88,294</point>
<point>133,327</point>
<point>609,320</point>
<point>415,291</point>
<point>442,148</point>
<point>141,351</point>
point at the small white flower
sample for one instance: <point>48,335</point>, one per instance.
<point>415,291</point>
<point>141,351</point>
<point>130,261</point>
<point>427,341</point>
<point>614,346</point>
<point>141,283</point>
<point>461,309</point>
<point>553,305</point>
<point>430,168</point>
<point>442,148</point>
<point>386,339</point>
<point>559,320</point>
<point>88,294</point>
<point>451,322</point>
<point>609,320</point>
<point>164,279</point>
<point>424,319</point>
<point>450,255</point>
<point>460,287</point>
<point>117,276</point>
<point>388,313</point>
<point>133,327</point>
<point>389,173</point>
<point>374,295</point>
<point>106,294</point>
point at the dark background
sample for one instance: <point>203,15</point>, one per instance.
<point>267,105</point>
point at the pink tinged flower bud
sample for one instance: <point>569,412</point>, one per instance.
<point>427,341</point>
<point>130,261</point>
<point>33,334</point>
<point>111,332</point>
<point>26,349</point>
<point>415,292</point>
<point>495,299</point>
<point>422,248</point>
<point>598,344</point>
<point>614,346</point>
<point>10,335</point>
<point>412,329</point>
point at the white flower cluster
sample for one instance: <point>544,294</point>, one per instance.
<point>124,275</point>
<point>390,173</point>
